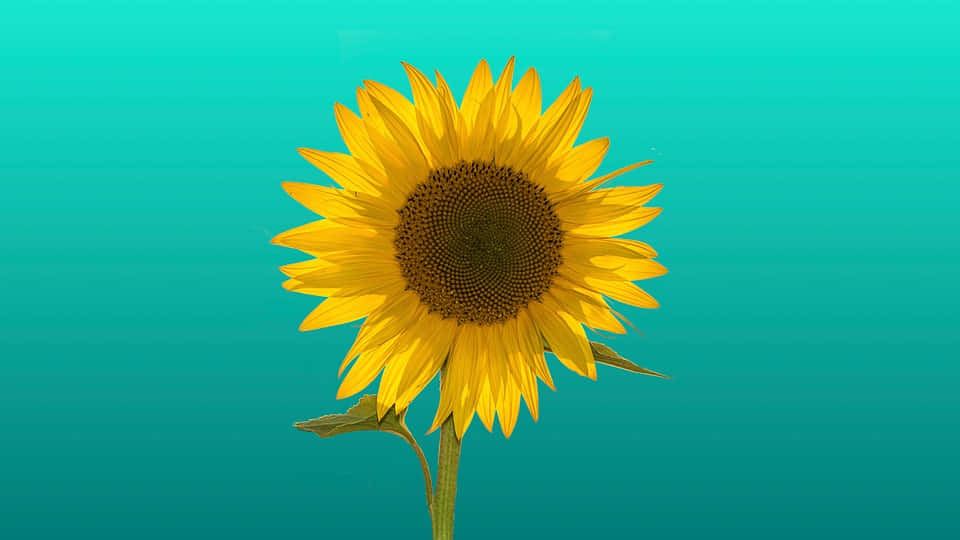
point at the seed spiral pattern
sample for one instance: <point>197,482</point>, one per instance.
<point>478,241</point>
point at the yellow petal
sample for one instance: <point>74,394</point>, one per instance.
<point>480,84</point>
<point>575,123</point>
<point>365,370</point>
<point>453,380</point>
<point>351,287</point>
<point>502,92</point>
<point>505,81</point>
<point>632,269</point>
<point>508,406</point>
<point>576,329</point>
<point>297,286</point>
<point>523,375</point>
<point>401,131</point>
<point>401,169</point>
<point>531,397</point>
<point>398,312</point>
<point>484,367</point>
<point>526,97</point>
<point>343,169</point>
<point>359,256</point>
<point>430,120</point>
<point>588,247</point>
<point>325,236</point>
<point>508,137</point>
<point>605,205</point>
<point>457,396</point>
<point>486,406</point>
<point>371,118</point>
<point>578,190</point>
<point>583,160</point>
<point>611,259</point>
<point>396,164</point>
<point>424,93</point>
<point>493,364</point>
<point>357,271</point>
<point>628,221</point>
<point>531,345</point>
<point>621,291</point>
<point>407,353</point>
<point>555,110</point>
<point>618,196</point>
<point>602,319</point>
<point>554,113</point>
<point>478,143</point>
<point>354,135</point>
<point>518,367</point>
<point>348,208</point>
<point>585,308</point>
<point>564,334</point>
<point>544,140</point>
<point>504,119</point>
<point>451,116</point>
<point>578,267</point>
<point>395,102</point>
<point>303,267</point>
<point>341,309</point>
<point>437,344</point>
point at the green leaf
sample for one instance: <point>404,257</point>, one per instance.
<point>363,417</point>
<point>360,417</point>
<point>606,355</point>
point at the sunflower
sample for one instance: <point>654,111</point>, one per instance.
<point>470,238</point>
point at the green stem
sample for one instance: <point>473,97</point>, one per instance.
<point>424,466</point>
<point>445,495</point>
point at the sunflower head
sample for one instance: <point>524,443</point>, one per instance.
<point>468,236</point>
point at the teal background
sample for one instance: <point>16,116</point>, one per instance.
<point>151,364</point>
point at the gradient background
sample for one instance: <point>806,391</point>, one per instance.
<point>151,363</point>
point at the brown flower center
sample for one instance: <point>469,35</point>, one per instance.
<point>478,241</point>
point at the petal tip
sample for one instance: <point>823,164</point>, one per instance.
<point>592,374</point>
<point>304,327</point>
<point>343,393</point>
<point>292,188</point>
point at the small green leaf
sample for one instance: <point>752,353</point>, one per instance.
<point>363,417</point>
<point>606,355</point>
<point>360,417</point>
